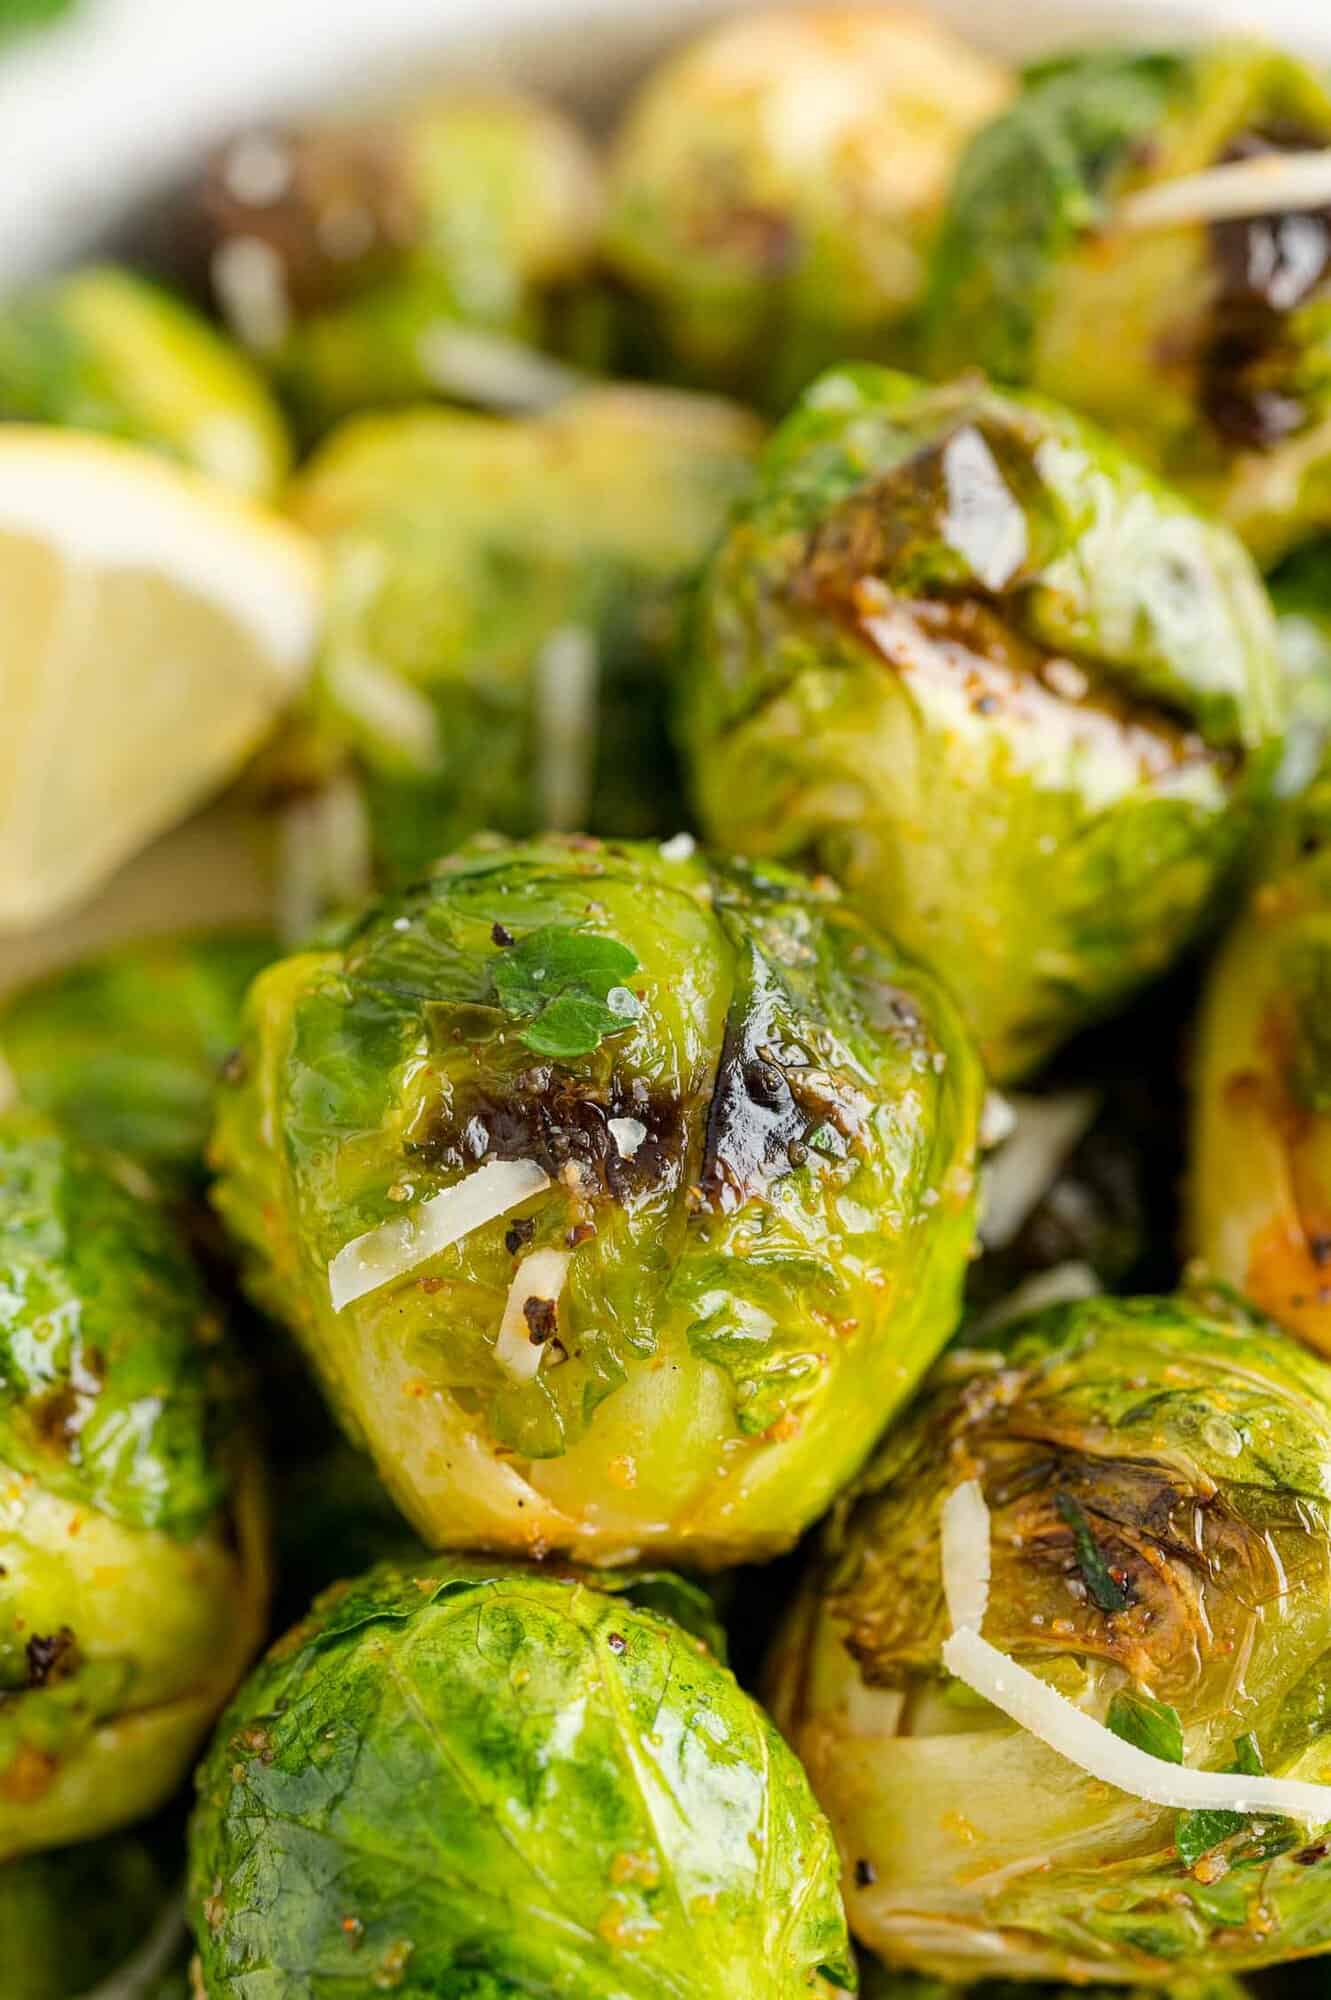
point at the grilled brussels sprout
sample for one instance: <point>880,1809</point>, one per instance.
<point>1201,337</point>
<point>776,184</point>
<point>1301,593</point>
<point>1260,1176</point>
<point>1013,693</point>
<point>70,1918</point>
<point>413,255</point>
<point>466,1777</point>
<point>124,1049</point>
<point>104,350</point>
<point>132,1579</point>
<point>1159,1478</point>
<point>506,602</point>
<point>617,1194</point>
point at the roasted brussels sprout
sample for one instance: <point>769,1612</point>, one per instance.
<point>775,186</point>
<point>410,256</point>
<point>124,1049</point>
<point>1301,593</point>
<point>104,350</point>
<point>1014,694</point>
<point>1260,1175</point>
<point>466,1777</point>
<point>70,1918</point>
<point>1157,1471</point>
<point>617,1194</point>
<point>1200,335</point>
<point>132,1573</point>
<point>505,604</point>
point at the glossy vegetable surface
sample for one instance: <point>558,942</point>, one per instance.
<point>467,1777</point>
<point>744,1127</point>
<point>132,1586</point>
<point>1158,1475</point>
<point>1017,696</point>
<point>1204,345</point>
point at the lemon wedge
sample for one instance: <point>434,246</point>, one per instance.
<point>152,629</point>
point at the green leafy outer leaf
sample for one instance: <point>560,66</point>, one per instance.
<point>1197,1439</point>
<point>1033,283</point>
<point>960,611</point>
<point>125,1049</point>
<point>1196,1833</point>
<point>566,978</point>
<point>101,349</point>
<point>482,538</point>
<point>466,1777</point>
<point>132,1570</point>
<point>1149,1725</point>
<point>113,1389</point>
<point>726,1276</point>
<point>69,1919</point>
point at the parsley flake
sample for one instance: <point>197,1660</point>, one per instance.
<point>568,985</point>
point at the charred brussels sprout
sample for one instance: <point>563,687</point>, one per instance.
<point>1260,1178</point>
<point>506,600</point>
<point>104,350</point>
<point>617,1194</point>
<point>1158,1475</point>
<point>464,1777</point>
<point>131,1566</point>
<point>71,1918</point>
<point>1201,337</point>
<point>1013,693</point>
<point>125,1048</point>
<point>412,256</point>
<point>775,187</point>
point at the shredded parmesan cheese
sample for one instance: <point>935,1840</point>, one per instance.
<point>628,1135</point>
<point>1025,1166</point>
<point>1055,1721</point>
<point>539,1276</point>
<point>1270,184</point>
<point>395,1247</point>
<point>491,369</point>
<point>565,686</point>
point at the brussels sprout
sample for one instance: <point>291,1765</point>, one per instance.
<point>775,186</point>
<point>410,256</point>
<point>1205,345</point>
<point>506,599</point>
<point>468,1777</point>
<point>1301,593</point>
<point>125,1048</point>
<point>71,1917</point>
<point>616,1194</point>
<point>1014,694</point>
<point>104,350</point>
<point>1260,1179</point>
<point>131,1570</point>
<point>1159,1475</point>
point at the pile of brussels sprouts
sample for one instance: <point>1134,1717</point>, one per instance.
<point>797,1002</point>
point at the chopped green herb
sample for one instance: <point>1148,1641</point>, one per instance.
<point>1196,1833</point>
<point>1105,1589</point>
<point>570,985</point>
<point>1147,1724</point>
